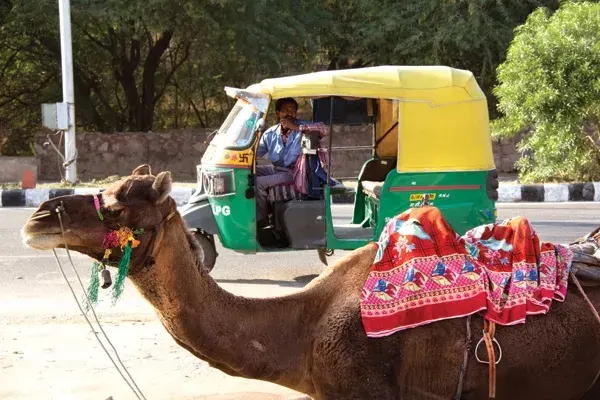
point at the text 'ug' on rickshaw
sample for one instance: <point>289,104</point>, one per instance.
<point>430,140</point>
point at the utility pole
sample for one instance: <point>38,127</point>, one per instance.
<point>64,10</point>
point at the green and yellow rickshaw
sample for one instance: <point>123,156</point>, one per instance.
<point>430,142</point>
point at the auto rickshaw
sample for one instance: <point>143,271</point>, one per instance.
<point>431,142</point>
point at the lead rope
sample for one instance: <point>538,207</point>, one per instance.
<point>133,387</point>
<point>587,300</point>
<point>463,368</point>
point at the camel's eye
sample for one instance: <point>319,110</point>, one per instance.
<point>112,212</point>
<point>121,197</point>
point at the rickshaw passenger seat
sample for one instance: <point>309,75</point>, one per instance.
<point>374,174</point>
<point>372,188</point>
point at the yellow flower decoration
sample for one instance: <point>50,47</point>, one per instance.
<point>126,235</point>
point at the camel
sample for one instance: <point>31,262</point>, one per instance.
<point>313,341</point>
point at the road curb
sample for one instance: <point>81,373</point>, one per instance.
<point>507,193</point>
<point>35,197</point>
<point>549,192</point>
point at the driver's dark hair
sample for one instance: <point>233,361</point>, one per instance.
<point>279,104</point>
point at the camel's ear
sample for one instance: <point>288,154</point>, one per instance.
<point>162,184</point>
<point>143,169</point>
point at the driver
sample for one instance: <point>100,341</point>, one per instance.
<point>282,142</point>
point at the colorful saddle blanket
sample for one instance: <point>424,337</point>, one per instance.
<point>425,272</point>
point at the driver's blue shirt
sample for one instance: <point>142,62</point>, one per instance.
<point>281,155</point>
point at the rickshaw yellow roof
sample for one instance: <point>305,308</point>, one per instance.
<point>435,84</point>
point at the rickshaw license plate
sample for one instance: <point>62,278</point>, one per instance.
<point>419,196</point>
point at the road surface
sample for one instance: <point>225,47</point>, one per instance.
<point>47,350</point>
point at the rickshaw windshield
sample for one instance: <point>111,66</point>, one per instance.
<point>239,127</point>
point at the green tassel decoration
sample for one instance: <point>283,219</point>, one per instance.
<point>122,274</point>
<point>92,292</point>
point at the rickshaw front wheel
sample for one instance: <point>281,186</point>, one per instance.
<point>207,249</point>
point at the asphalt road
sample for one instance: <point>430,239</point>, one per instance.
<point>47,351</point>
<point>558,223</point>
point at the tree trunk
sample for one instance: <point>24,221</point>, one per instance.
<point>148,100</point>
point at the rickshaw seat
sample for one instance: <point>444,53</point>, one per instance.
<point>372,188</point>
<point>374,174</point>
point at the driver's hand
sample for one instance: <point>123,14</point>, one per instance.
<point>289,124</point>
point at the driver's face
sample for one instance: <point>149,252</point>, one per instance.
<point>288,110</point>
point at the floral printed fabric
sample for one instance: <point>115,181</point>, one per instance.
<point>425,272</point>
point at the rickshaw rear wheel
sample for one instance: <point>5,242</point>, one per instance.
<point>208,250</point>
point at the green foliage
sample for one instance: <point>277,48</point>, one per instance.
<point>142,65</point>
<point>468,34</point>
<point>550,82</point>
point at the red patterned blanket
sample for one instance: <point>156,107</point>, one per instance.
<point>425,272</point>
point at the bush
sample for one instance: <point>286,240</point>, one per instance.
<point>550,82</point>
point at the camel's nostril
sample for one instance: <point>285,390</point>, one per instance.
<point>40,215</point>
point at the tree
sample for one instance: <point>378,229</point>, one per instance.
<point>23,86</point>
<point>143,65</point>
<point>249,41</point>
<point>468,34</point>
<point>550,83</point>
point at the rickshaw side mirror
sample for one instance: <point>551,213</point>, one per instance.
<point>260,125</point>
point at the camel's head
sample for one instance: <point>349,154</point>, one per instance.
<point>138,201</point>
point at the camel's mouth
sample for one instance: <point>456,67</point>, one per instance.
<point>40,233</point>
<point>42,240</point>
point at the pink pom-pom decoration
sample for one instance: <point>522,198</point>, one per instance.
<point>111,240</point>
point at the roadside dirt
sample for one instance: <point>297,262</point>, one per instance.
<point>49,352</point>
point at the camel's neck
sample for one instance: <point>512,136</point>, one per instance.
<point>254,338</point>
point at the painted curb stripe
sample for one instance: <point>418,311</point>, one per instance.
<point>13,198</point>
<point>549,192</point>
<point>596,191</point>
<point>532,193</point>
<point>581,191</point>
<point>554,192</point>
<point>509,193</point>
<point>35,197</point>
<point>86,191</point>
<point>60,192</point>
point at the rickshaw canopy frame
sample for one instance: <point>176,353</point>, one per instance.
<point>438,114</point>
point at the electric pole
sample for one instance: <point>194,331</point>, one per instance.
<point>64,9</point>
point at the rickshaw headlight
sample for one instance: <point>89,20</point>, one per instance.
<point>218,183</point>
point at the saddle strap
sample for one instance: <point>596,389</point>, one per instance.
<point>489,330</point>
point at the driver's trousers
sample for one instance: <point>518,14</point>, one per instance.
<point>266,177</point>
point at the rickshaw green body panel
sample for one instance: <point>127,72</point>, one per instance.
<point>462,197</point>
<point>235,215</point>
